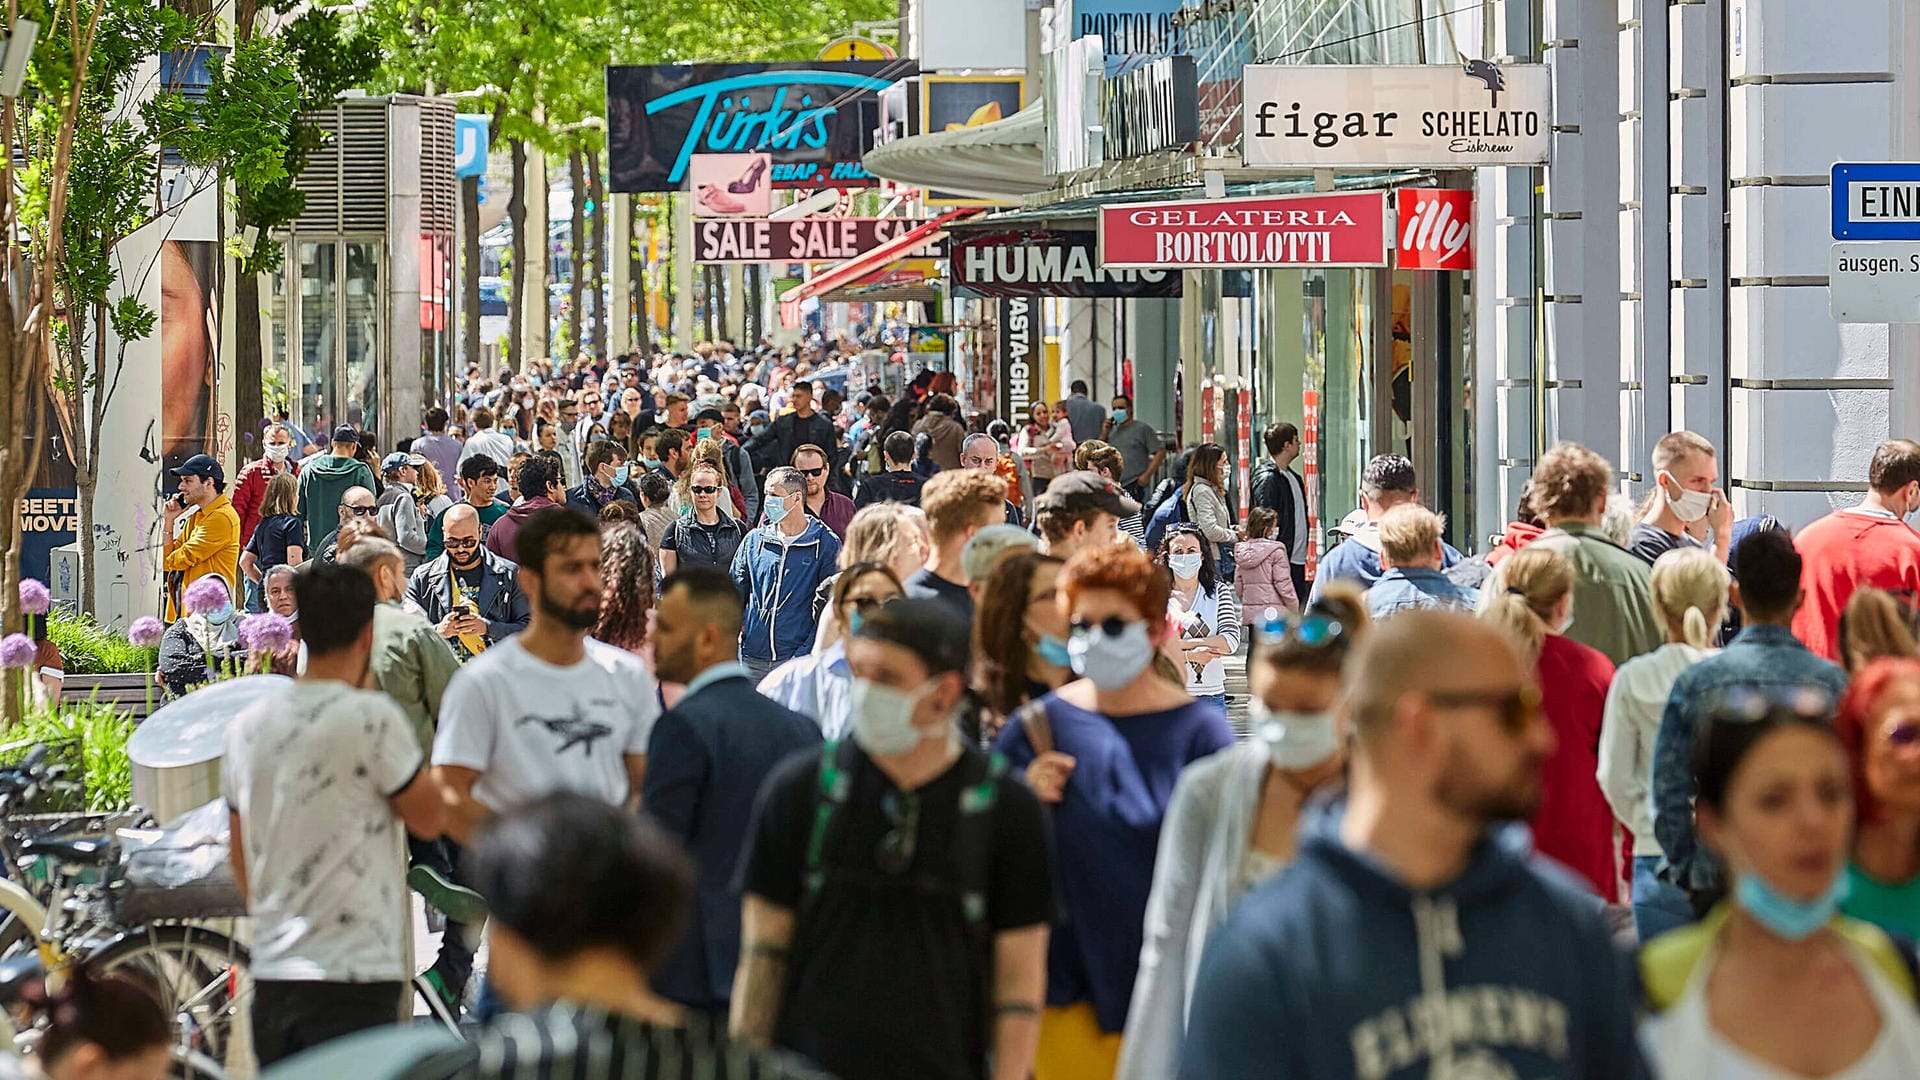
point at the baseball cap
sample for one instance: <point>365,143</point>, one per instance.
<point>345,433</point>
<point>201,465</point>
<point>929,629</point>
<point>398,458</point>
<point>1082,490</point>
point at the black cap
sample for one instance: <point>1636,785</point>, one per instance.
<point>345,433</point>
<point>1083,490</point>
<point>711,414</point>
<point>201,465</point>
<point>930,629</point>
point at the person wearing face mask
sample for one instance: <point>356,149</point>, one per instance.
<point>1205,608</point>
<point>1234,816</point>
<point>1574,824</point>
<point>1141,450</point>
<point>250,487</point>
<point>1104,751</point>
<point>607,476</point>
<point>197,645</point>
<point>1869,544</point>
<point>897,884</point>
<point>777,569</point>
<point>1685,503</point>
<point>818,684</point>
<point>1775,982</point>
<point>1020,633</point>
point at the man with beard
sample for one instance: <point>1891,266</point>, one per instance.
<point>469,594</point>
<point>548,709</point>
<point>705,762</point>
<point>1411,936</point>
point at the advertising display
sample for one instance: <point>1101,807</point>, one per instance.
<point>815,119</point>
<point>1045,262</point>
<point>1436,229</point>
<point>731,185</point>
<point>1411,115</point>
<point>758,240</point>
<point>1133,32</point>
<point>1019,356</point>
<point>1304,230</point>
<point>958,102</point>
<point>189,352</point>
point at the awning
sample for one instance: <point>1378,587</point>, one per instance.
<point>860,266</point>
<point>993,161</point>
<point>884,292</point>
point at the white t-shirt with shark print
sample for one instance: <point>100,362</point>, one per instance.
<point>531,728</point>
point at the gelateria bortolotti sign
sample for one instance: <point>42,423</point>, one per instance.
<point>1408,115</point>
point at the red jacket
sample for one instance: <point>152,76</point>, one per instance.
<point>250,490</point>
<point>1518,535</point>
<point>1574,825</point>
<point>1844,551</point>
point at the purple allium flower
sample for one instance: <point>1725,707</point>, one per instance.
<point>17,651</point>
<point>146,632</point>
<point>34,597</point>
<point>266,631</point>
<point>206,594</point>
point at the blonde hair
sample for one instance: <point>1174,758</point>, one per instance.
<point>283,495</point>
<point>1535,579</point>
<point>1410,533</point>
<point>1875,624</point>
<point>1690,590</point>
<point>430,482</point>
<point>880,533</point>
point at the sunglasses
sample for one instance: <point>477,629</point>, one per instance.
<point>1515,709</point>
<point>894,853</point>
<point>453,544</point>
<point>821,471</point>
<point>1112,625</point>
<point>1315,631</point>
<point>364,511</point>
<point>704,489</point>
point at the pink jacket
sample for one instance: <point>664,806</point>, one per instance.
<point>1263,578</point>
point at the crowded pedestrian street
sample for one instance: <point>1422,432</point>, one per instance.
<point>960,540</point>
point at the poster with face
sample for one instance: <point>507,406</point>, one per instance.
<point>189,351</point>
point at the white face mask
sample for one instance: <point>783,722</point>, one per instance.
<point>1294,740</point>
<point>1184,565</point>
<point>1111,662</point>
<point>882,718</point>
<point>277,452</point>
<point>1688,506</point>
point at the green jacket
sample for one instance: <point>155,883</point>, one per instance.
<point>411,664</point>
<point>437,533</point>
<point>1612,595</point>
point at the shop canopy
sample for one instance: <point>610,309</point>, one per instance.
<point>865,265</point>
<point>1000,160</point>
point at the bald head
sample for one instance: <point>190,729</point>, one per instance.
<point>1426,652</point>
<point>461,514</point>
<point>460,529</point>
<point>356,501</point>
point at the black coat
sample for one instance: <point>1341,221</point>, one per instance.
<point>501,602</point>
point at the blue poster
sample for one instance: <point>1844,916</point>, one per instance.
<point>1132,31</point>
<point>48,519</point>
<point>470,144</point>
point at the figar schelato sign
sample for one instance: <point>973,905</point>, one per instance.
<point>815,118</point>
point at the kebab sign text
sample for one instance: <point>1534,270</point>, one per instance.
<point>1341,229</point>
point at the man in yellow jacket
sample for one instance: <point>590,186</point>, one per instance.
<point>211,542</point>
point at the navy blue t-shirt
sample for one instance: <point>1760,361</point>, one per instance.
<point>273,536</point>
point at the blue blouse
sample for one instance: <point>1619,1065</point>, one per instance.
<point>1106,830</point>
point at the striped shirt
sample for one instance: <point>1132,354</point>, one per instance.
<point>1135,529</point>
<point>577,1042</point>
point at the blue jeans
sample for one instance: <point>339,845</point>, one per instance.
<point>1217,699</point>
<point>1658,906</point>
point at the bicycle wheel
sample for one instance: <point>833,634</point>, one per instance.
<point>204,984</point>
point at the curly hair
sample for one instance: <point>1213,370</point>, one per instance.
<point>1123,568</point>
<point>626,592</point>
<point>1569,482</point>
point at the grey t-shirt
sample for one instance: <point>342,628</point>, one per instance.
<point>1137,443</point>
<point>1651,541</point>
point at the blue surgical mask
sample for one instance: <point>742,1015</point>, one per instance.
<point>651,463</point>
<point>219,616</point>
<point>1786,917</point>
<point>621,474</point>
<point>706,433</point>
<point>1120,416</point>
<point>776,509</point>
<point>854,621</point>
<point>1053,650</point>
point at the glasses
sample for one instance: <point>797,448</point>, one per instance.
<point>704,489</point>
<point>456,544</point>
<point>363,511</point>
<point>821,471</point>
<point>864,604</point>
<point>894,853</point>
<point>591,402</point>
<point>1312,630</point>
<point>1112,625</point>
<point>1516,709</point>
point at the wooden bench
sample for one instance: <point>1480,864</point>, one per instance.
<point>133,693</point>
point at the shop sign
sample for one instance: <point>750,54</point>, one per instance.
<point>758,240</point>
<point>730,185</point>
<point>1436,229</point>
<point>470,144</point>
<point>1153,107</point>
<point>1019,356</point>
<point>1132,32</point>
<point>816,119</point>
<point>1411,115</point>
<point>46,519</point>
<point>1042,262</point>
<point>1307,230</point>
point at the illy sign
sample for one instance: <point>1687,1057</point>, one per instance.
<point>1305,230</point>
<point>1436,230</point>
<point>1423,115</point>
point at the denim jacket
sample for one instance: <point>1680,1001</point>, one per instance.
<point>1405,588</point>
<point>1767,660</point>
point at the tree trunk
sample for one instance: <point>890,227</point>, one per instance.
<point>750,307</point>
<point>517,254</point>
<point>597,191</point>
<point>636,256</point>
<point>710,275</point>
<point>249,382</point>
<point>577,250</point>
<point>470,267</point>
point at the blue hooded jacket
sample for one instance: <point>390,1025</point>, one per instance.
<point>776,584</point>
<point>1335,970</point>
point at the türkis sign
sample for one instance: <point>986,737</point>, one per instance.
<point>1411,115</point>
<point>1044,262</point>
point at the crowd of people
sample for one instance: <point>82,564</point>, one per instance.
<point>936,774</point>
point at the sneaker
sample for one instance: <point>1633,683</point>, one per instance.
<point>448,996</point>
<point>460,903</point>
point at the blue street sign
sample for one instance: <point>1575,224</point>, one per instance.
<point>1877,200</point>
<point>470,144</point>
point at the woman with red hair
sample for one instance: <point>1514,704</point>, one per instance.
<point>1104,752</point>
<point>1879,724</point>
